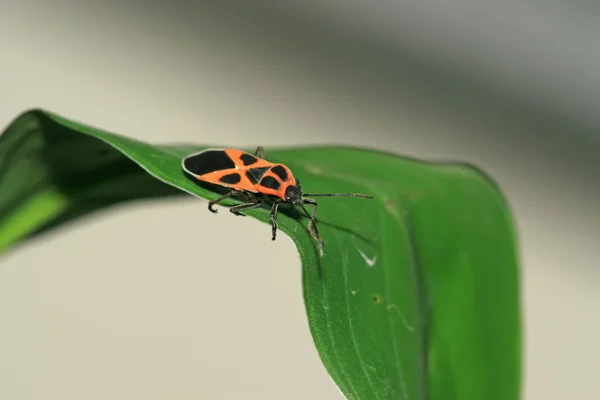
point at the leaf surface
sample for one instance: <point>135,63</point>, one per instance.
<point>416,296</point>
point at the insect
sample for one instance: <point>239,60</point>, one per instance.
<point>256,180</point>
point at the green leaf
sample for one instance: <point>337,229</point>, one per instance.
<point>416,296</point>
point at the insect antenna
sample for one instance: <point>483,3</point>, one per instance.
<point>338,195</point>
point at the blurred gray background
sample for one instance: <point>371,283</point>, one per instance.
<point>134,303</point>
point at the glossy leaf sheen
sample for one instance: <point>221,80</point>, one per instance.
<point>416,296</point>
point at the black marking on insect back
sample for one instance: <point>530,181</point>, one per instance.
<point>255,174</point>
<point>251,177</point>
<point>280,172</point>
<point>248,159</point>
<point>231,179</point>
<point>270,183</point>
<point>208,161</point>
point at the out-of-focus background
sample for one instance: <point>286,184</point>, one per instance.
<point>148,300</point>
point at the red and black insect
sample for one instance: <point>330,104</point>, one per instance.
<point>255,180</point>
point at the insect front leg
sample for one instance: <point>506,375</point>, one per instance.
<point>247,206</point>
<point>225,196</point>
<point>312,225</point>
<point>273,218</point>
<point>260,152</point>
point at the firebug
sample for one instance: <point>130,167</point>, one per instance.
<point>255,180</point>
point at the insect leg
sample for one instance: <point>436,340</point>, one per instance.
<point>225,196</point>
<point>312,225</point>
<point>273,218</point>
<point>247,206</point>
<point>260,152</point>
